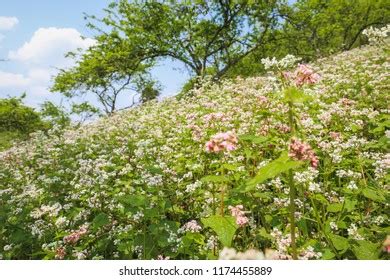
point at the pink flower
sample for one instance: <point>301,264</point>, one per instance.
<point>76,235</point>
<point>236,210</point>
<point>60,253</point>
<point>224,141</point>
<point>335,135</point>
<point>305,75</point>
<point>302,151</point>
<point>239,214</point>
<point>191,226</point>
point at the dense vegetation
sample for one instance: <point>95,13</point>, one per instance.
<point>215,38</point>
<point>293,163</point>
<point>17,121</point>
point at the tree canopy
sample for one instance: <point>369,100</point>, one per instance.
<point>214,38</point>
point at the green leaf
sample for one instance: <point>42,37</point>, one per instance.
<point>296,96</point>
<point>100,220</point>
<point>133,200</point>
<point>254,139</point>
<point>335,207</point>
<point>215,179</point>
<point>339,242</point>
<point>366,250</point>
<point>196,237</point>
<point>272,169</point>
<point>328,255</point>
<point>373,194</point>
<point>224,227</point>
<point>231,167</point>
<point>350,205</point>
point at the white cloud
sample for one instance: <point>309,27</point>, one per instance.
<point>39,57</point>
<point>48,46</point>
<point>8,79</point>
<point>7,23</point>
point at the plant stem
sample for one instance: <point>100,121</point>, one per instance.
<point>222,200</point>
<point>292,214</point>
<point>292,187</point>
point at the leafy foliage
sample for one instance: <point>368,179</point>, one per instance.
<point>141,184</point>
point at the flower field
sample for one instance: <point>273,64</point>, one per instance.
<point>291,165</point>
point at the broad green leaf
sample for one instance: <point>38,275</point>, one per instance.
<point>335,207</point>
<point>321,198</point>
<point>272,169</point>
<point>196,237</point>
<point>224,227</point>
<point>133,200</point>
<point>373,194</point>
<point>100,220</point>
<point>254,139</point>
<point>231,167</point>
<point>328,255</point>
<point>366,250</point>
<point>339,242</point>
<point>349,205</point>
<point>296,96</point>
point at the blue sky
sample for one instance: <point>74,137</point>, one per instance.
<point>34,35</point>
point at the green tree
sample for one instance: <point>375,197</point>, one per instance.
<point>208,37</point>
<point>103,71</point>
<point>316,28</point>
<point>17,121</point>
<point>319,27</point>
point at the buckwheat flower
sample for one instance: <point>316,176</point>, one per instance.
<point>305,75</point>
<point>309,253</point>
<point>76,235</point>
<point>239,214</point>
<point>379,220</point>
<point>333,226</point>
<point>236,210</point>
<point>352,186</point>
<point>224,141</point>
<point>335,135</point>
<point>242,220</point>
<point>162,258</point>
<point>61,222</point>
<point>314,187</point>
<point>80,255</point>
<point>191,226</point>
<point>60,253</point>
<point>302,151</point>
<point>353,232</point>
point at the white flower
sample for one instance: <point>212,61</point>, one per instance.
<point>8,247</point>
<point>352,186</point>
<point>61,222</point>
<point>333,226</point>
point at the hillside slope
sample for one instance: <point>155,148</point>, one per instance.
<point>141,183</point>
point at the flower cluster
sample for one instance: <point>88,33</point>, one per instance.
<point>287,62</point>
<point>224,141</point>
<point>239,214</point>
<point>376,35</point>
<point>191,226</point>
<point>143,174</point>
<point>302,151</point>
<point>305,75</point>
<point>76,235</point>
